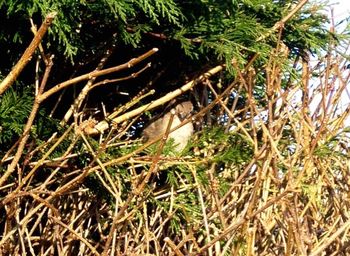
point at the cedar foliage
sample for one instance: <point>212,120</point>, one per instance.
<point>265,173</point>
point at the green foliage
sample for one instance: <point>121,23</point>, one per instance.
<point>227,147</point>
<point>209,29</point>
<point>230,29</point>
<point>14,111</point>
<point>239,151</point>
<point>192,35</point>
<point>45,126</point>
<point>97,189</point>
<point>169,148</point>
<point>175,172</point>
<point>93,18</point>
<point>212,137</point>
<point>335,146</point>
<point>186,209</point>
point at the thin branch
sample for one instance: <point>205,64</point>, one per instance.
<point>27,127</point>
<point>103,125</point>
<point>95,73</point>
<point>78,101</point>
<point>26,57</point>
<point>79,237</point>
<point>278,25</point>
<point>133,75</point>
<point>141,184</point>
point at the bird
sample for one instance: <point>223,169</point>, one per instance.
<point>181,136</point>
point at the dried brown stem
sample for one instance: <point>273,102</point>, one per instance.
<point>27,127</point>
<point>27,55</point>
<point>102,126</point>
<point>98,73</point>
<point>78,101</point>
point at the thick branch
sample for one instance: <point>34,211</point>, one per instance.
<point>17,69</point>
<point>102,126</point>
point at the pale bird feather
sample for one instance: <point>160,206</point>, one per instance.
<point>181,135</point>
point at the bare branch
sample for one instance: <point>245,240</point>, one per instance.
<point>27,127</point>
<point>95,73</point>
<point>102,126</point>
<point>26,57</point>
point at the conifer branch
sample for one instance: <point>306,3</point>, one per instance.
<point>278,25</point>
